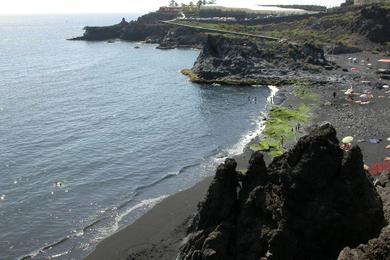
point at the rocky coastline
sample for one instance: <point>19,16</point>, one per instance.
<point>315,201</point>
<point>148,29</point>
<point>245,62</point>
<point>309,203</point>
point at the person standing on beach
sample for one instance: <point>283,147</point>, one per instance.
<point>334,94</point>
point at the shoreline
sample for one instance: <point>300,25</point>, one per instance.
<point>170,217</point>
<point>140,238</point>
<point>242,158</point>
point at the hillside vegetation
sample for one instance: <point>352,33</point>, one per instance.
<point>353,27</point>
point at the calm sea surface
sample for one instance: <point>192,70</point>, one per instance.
<point>93,134</point>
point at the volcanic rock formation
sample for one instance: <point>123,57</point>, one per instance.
<point>309,203</point>
<point>241,61</point>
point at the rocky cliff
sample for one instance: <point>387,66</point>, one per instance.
<point>94,33</point>
<point>147,28</point>
<point>309,203</point>
<point>242,61</point>
<point>374,23</point>
<point>379,247</point>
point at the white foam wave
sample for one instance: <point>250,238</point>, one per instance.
<point>271,97</point>
<point>249,136</point>
<point>143,205</point>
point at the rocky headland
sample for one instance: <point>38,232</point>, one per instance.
<point>309,203</point>
<point>236,61</point>
<point>147,28</point>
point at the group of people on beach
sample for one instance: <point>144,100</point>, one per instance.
<point>252,99</point>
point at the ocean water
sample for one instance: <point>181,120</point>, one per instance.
<point>93,134</point>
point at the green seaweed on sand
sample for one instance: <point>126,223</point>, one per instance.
<point>281,127</point>
<point>303,91</point>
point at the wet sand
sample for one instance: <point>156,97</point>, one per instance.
<point>158,234</point>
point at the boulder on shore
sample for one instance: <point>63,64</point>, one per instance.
<point>310,203</point>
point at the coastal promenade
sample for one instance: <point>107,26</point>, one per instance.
<point>174,22</point>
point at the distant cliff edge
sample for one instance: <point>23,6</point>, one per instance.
<point>149,29</point>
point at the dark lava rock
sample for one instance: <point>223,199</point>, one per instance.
<point>222,204</point>
<point>183,37</point>
<point>310,203</point>
<point>255,176</point>
<point>341,48</point>
<point>137,31</point>
<point>226,60</point>
<point>103,33</point>
<point>146,26</point>
<point>374,22</point>
<point>377,248</point>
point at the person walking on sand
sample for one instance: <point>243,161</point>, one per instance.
<point>334,94</point>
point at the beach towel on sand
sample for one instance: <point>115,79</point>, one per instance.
<point>374,141</point>
<point>379,168</point>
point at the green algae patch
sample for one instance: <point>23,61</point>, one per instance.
<point>304,92</point>
<point>299,114</point>
<point>281,127</point>
<point>192,75</point>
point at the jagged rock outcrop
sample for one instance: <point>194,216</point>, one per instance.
<point>374,22</point>
<point>235,61</point>
<point>309,203</point>
<point>151,33</point>
<point>147,28</point>
<point>179,37</point>
<point>255,176</point>
<point>377,248</point>
<point>222,189</point>
<point>102,33</point>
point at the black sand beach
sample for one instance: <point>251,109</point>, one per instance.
<point>158,234</point>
